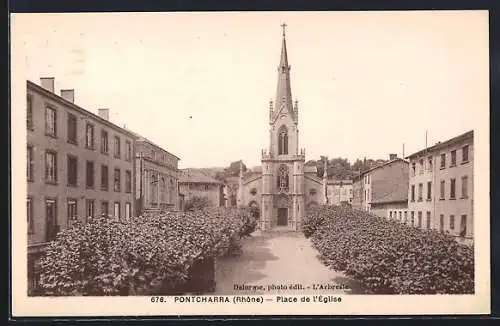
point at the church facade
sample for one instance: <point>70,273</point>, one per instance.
<point>283,188</point>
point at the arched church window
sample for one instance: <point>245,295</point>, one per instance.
<point>283,179</point>
<point>282,141</point>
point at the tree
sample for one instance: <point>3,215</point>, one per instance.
<point>232,170</point>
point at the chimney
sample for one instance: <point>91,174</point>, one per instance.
<point>104,113</point>
<point>393,156</point>
<point>68,95</point>
<point>47,83</point>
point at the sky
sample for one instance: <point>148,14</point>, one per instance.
<point>199,84</point>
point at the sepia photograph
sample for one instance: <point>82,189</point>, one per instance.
<point>178,158</point>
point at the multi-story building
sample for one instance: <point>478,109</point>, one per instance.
<point>383,188</point>
<point>441,186</point>
<point>156,177</point>
<point>195,183</point>
<point>78,164</point>
<point>358,191</point>
<point>339,191</point>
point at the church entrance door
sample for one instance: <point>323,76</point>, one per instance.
<point>282,216</point>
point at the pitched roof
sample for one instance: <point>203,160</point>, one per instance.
<point>384,164</point>
<point>196,176</point>
<point>337,182</point>
<point>467,135</point>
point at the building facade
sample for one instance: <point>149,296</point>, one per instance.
<point>194,183</point>
<point>382,190</point>
<point>358,191</point>
<point>340,191</point>
<point>156,177</point>
<point>441,187</point>
<point>78,165</point>
<point>284,187</point>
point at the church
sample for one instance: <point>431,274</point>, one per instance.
<point>283,188</point>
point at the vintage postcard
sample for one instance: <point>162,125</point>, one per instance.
<point>224,163</point>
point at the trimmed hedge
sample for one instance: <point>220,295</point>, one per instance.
<point>140,256</point>
<point>388,257</point>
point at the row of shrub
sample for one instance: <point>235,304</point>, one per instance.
<point>388,257</point>
<point>140,256</point>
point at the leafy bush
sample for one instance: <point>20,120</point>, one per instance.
<point>138,256</point>
<point>196,203</point>
<point>389,257</point>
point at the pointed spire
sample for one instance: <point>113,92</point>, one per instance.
<point>284,56</point>
<point>284,99</point>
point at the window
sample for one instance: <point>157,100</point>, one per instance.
<point>452,189</point>
<point>413,169</point>
<point>421,166</point>
<point>283,141</point>
<point>465,186</point>
<point>390,214</point>
<point>128,182</point>
<point>117,181</point>
<point>163,190</point>
<point>127,210</point>
<point>465,154</point>
<point>72,211</point>
<point>430,164</point>
<point>452,222</point>
<point>116,210</point>
<point>50,121</point>
<point>428,220</point>
<point>29,112</point>
<point>171,193</point>
<point>153,155</point>
<point>412,218</point>
<point>31,224</point>
<point>441,223</point>
<point>72,171</point>
<point>90,174</point>
<point>406,216</point>
<point>89,138</point>
<point>283,178</point>
<point>441,189</point>
<point>429,190</point>
<point>453,158</point>
<point>29,163</point>
<point>412,192</point>
<point>419,220</point>
<point>89,208</point>
<point>104,142</point>
<point>117,147</point>
<point>443,161</point>
<point>128,151</point>
<point>51,227</point>
<point>104,177</point>
<point>51,167</point>
<point>420,191</point>
<point>72,129</point>
<point>400,215</point>
<point>104,208</point>
<point>463,226</point>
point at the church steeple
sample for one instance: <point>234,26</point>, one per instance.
<point>284,103</point>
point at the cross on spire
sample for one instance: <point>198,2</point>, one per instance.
<point>283,26</point>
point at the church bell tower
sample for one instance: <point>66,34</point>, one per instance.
<point>282,164</point>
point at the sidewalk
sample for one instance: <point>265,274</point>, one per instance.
<point>285,260</point>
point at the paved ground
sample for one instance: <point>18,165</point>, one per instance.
<point>284,259</point>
